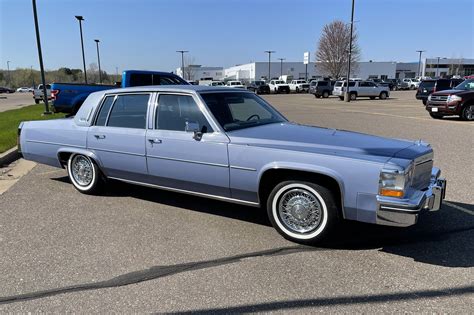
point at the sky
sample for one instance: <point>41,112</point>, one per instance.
<point>145,34</point>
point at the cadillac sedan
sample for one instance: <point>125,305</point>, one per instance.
<point>231,145</point>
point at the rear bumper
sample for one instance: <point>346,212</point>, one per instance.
<point>405,212</point>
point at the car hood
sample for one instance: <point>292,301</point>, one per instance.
<point>296,137</point>
<point>450,92</point>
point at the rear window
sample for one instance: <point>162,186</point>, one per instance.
<point>129,111</point>
<point>144,79</point>
<point>323,83</point>
<point>427,84</point>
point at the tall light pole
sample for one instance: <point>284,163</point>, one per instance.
<point>419,61</point>
<point>8,72</point>
<point>40,56</point>
<point>269,52</point>
<point>182,61</point>
<point>98,59</point>
<point>347,95</point>
<point>80,19</point>
<point>281,66</point>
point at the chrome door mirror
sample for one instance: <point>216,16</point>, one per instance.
<point>193,126</point>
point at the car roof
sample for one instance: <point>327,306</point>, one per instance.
<point>170,88</point>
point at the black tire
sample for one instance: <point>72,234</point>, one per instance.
<point>288,91</point>
<point>317,96</point>
<point>436,116</point>
<point>383,95</point>
<point>353,96</point>
<point>90,186</point>
<point>372,97</point>
<point>341,98</point>
<point>325,94</point>
<point>424,102</point>
<point>297,90</point>
<point>37,101</point>
<point>468,112</point>
<point>326,216</point>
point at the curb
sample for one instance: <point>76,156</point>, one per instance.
<point>9,156</point>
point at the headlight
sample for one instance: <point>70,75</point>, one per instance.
<point>429,97</point>
<point>394,183</point>
<point>454,98</point>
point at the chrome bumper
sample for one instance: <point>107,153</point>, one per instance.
<point>404,212</point>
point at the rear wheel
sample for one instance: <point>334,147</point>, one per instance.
<point>325,94</point>
<point>37,101</point>
<point>302,212</point>
<point>353,96</point>
<point>297,90</point>
<point>468,112</point>
<point>84,174</point>
<point>341,98</point>
<point>383,95</point>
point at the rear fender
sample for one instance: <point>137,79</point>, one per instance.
<point>85,152</point>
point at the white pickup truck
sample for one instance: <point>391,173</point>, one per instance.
<point>278,86</point>
<point>38,94</point>
<point>361,89</point>
<point>299,86</point>
<point>235,84</point>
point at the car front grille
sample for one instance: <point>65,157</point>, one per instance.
<point>422,172</point>
<point>439,98</point>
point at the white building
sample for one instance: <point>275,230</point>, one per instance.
<point>198,72</point>
<point>443,67</point>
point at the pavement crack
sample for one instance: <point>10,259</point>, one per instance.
<point>153,273</point>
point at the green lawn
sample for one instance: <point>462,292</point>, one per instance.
<point>10,119</point>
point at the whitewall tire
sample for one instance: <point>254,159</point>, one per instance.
<point>84,173</point>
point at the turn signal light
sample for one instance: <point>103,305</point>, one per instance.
<point>391,193</point>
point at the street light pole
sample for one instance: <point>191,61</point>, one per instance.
<point>8,73</point>
<point>281,66</point>
<point>419,61</point>
<point>182,52</point>
<point>80,19</point>
<point>347,95</point>
<point>40,56</point>
<point>269,52</point>
<point>98,59</point>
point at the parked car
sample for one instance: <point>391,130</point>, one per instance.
<point>217,83</point>
<point>38,93</point>
<point>258,87</point>
<point>410,84</point>
<point>6,90</point>
<point>430,86</point>
<point>23,90</point>
<point>68,97</point>
<point>233,146</point>
<point>299,86</point>
<point>458,101</point>
<point>392,84</point>
<point>279,86</point>
<point>361,89</point>
<point>321,88</point>
<point>235,84</point>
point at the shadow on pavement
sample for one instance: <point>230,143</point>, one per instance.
<point>442,238</point>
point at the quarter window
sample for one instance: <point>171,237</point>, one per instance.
<point>175,110</point>
<point>129,111</point>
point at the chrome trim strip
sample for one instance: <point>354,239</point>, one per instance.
<point>221,198</point>
<point>56,143</point>
<point>243,168</point>
<point>187,161</point>
<point>114,151</point>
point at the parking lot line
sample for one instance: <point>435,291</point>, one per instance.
<point>452,205</point>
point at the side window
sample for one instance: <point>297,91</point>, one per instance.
<point>139,79</point>
<point>129,111</point>
<point>104,111</point>
<point>175,110</point>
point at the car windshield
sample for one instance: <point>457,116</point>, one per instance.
<point>278,82</point>
<point>240,110</point>
<point>467,85</point>
<point>258,83</point>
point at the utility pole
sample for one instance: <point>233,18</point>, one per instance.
<point>8,73</point>
<point>419,61</point>
<point>182,62</point>
<point>98,59</point>
<point>269,52</point>
<point>40,56</point>
<point>80,19</point>
<point>281,66</point>
<point>347,95</point>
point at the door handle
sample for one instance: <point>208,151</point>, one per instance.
<point>99,136</point>
<point>156,141</point>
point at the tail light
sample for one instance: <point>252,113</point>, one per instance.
<point>54,93</point>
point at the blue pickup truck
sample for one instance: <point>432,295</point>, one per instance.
<point>68,97</point>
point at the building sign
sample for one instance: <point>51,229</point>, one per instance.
<point>306,58</point>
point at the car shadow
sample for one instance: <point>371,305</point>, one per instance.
<point>442,238</point>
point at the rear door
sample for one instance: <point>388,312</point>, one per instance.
<point>118,135</point>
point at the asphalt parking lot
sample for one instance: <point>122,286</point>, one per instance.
<point>15,100</point>
<point>136,249</point>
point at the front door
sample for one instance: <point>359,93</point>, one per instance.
<point>178,157</point>
<point>118,136</point>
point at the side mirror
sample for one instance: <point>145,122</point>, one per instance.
<point>193,126</point>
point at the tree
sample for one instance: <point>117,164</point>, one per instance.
<point>189,68</point>
<point>333,49</point>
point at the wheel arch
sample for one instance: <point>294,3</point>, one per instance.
<point>63,155</point>
<point>272,175</point>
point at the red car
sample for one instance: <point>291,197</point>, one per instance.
<point>459,101</point>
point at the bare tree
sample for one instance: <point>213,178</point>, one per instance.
<point>333,49</point>
<point>189,68</point>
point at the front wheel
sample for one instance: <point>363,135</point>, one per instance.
<point>468,113</point>
<point>383,95</point>
<point>353,96</point>
<point>84,174</point>
<point>301,211</point>
<point>37,101</point>
<point>341,98</point>
<point>325,94</point>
